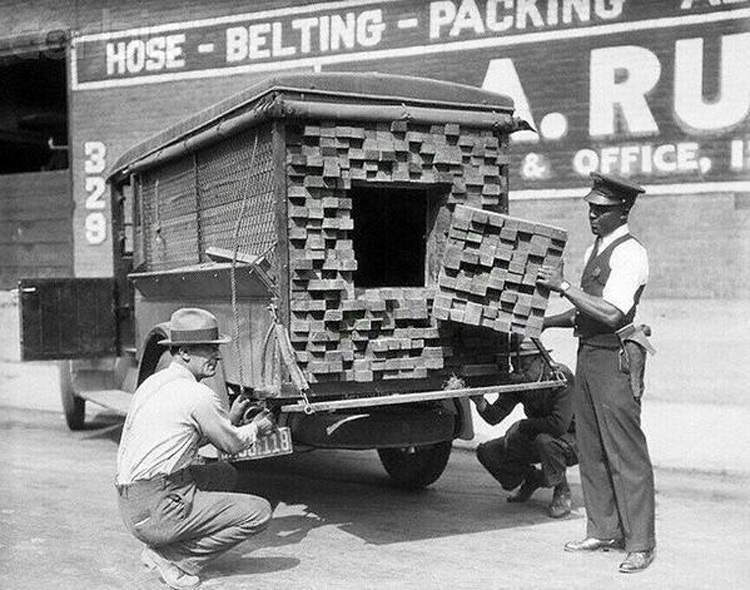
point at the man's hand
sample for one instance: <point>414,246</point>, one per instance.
<point>514,430</point>
<point>517,377</point>
<point>264,422</point>
<point>479,401</point>
<point>237,411</point>
<point>551,277</point>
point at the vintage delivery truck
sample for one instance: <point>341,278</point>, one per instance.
<point>337,225</point>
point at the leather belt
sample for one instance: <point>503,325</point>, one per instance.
<point>158,482</point>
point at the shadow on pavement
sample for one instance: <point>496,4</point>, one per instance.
<point>347,490</point>
<point>238,564</point>
<point>350,490</point>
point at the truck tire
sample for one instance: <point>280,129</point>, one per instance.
<point>414,468</point>
<point>74,407</point>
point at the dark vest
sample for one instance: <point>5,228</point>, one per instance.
<point>594,278</point>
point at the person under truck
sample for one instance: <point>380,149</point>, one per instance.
<point>616,473</point>
<point>546,436</point>
<point>186,513</point>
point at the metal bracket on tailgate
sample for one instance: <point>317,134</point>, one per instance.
<point>548,359</point>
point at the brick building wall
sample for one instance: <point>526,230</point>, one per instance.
<point>35,236</point>
<point>698,242</point>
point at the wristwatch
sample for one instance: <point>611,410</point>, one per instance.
<point>564,286</point>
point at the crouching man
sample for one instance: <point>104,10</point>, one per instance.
<point>185,513</point>
<point>546,436</point>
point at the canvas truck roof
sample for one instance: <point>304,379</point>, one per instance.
<point>340,96</point>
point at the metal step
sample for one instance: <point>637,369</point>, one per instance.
<point>112,399</point>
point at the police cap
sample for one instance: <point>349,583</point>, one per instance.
<point>612,190</point>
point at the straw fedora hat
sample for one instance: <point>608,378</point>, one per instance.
<point>192,325</point>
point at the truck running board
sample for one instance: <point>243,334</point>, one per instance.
<point>421,396</point>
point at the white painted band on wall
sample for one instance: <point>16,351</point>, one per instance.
<point>416,50</point>
<point>687,188</point>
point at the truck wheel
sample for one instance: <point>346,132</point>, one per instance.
<point>414,468</point>
<point>74,407</point>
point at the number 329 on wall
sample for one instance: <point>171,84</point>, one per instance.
<point>94,164</point>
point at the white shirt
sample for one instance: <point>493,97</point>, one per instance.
<point>629,269</point>
<point>170,416</point>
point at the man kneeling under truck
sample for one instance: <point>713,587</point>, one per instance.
<point>546,436</point>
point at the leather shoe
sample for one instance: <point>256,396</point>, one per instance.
<point>562,503</point>
<point>530,485</point>
<point>637,561</point>
<point>592,544</point>
<point>169,573</point>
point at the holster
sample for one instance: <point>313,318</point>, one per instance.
<point>634,345</point>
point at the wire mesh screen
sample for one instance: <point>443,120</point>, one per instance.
<point>194,203</point>
<point>235,183</point>
<point>169,211</point>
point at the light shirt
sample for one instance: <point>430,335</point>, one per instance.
<point>629,269</point>
<point>170,416</point>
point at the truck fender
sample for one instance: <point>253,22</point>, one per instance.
<point>152,351</point>
<point>464,421</point>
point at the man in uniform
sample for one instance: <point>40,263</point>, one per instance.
<point>545,436</point>
<point>616,473</point>
<point>185,513</point>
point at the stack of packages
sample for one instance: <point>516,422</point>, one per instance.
<point>489,271</point>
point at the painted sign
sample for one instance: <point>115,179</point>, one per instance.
<point>653,89</point>
<point>666,109</point>
<point>356,30</point>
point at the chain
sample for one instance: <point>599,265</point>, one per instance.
<point>306,406</point>
<point>272,341</point>
<point>308,409</point>
<point>272,309</point>
<point>232,274</point>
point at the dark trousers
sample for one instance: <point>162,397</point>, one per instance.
<point>192,516</point>
<point>511,458</point>
<point>616,473</point>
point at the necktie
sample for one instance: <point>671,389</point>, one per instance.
<point>595,249</point>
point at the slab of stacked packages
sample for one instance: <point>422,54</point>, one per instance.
<point>488,276</point>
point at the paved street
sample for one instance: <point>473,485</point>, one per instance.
<point>338,524</point>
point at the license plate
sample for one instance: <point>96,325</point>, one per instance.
<point>277,443</point>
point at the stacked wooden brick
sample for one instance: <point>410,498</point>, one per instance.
<point>489,271</point>
<point>365,340</point>
<point>385,333</point>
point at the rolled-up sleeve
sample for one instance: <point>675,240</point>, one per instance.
<point>213,421</point>
<point>498,410</point>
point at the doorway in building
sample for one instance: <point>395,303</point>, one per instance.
<point>34,108</point>
<point>36,238</point>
